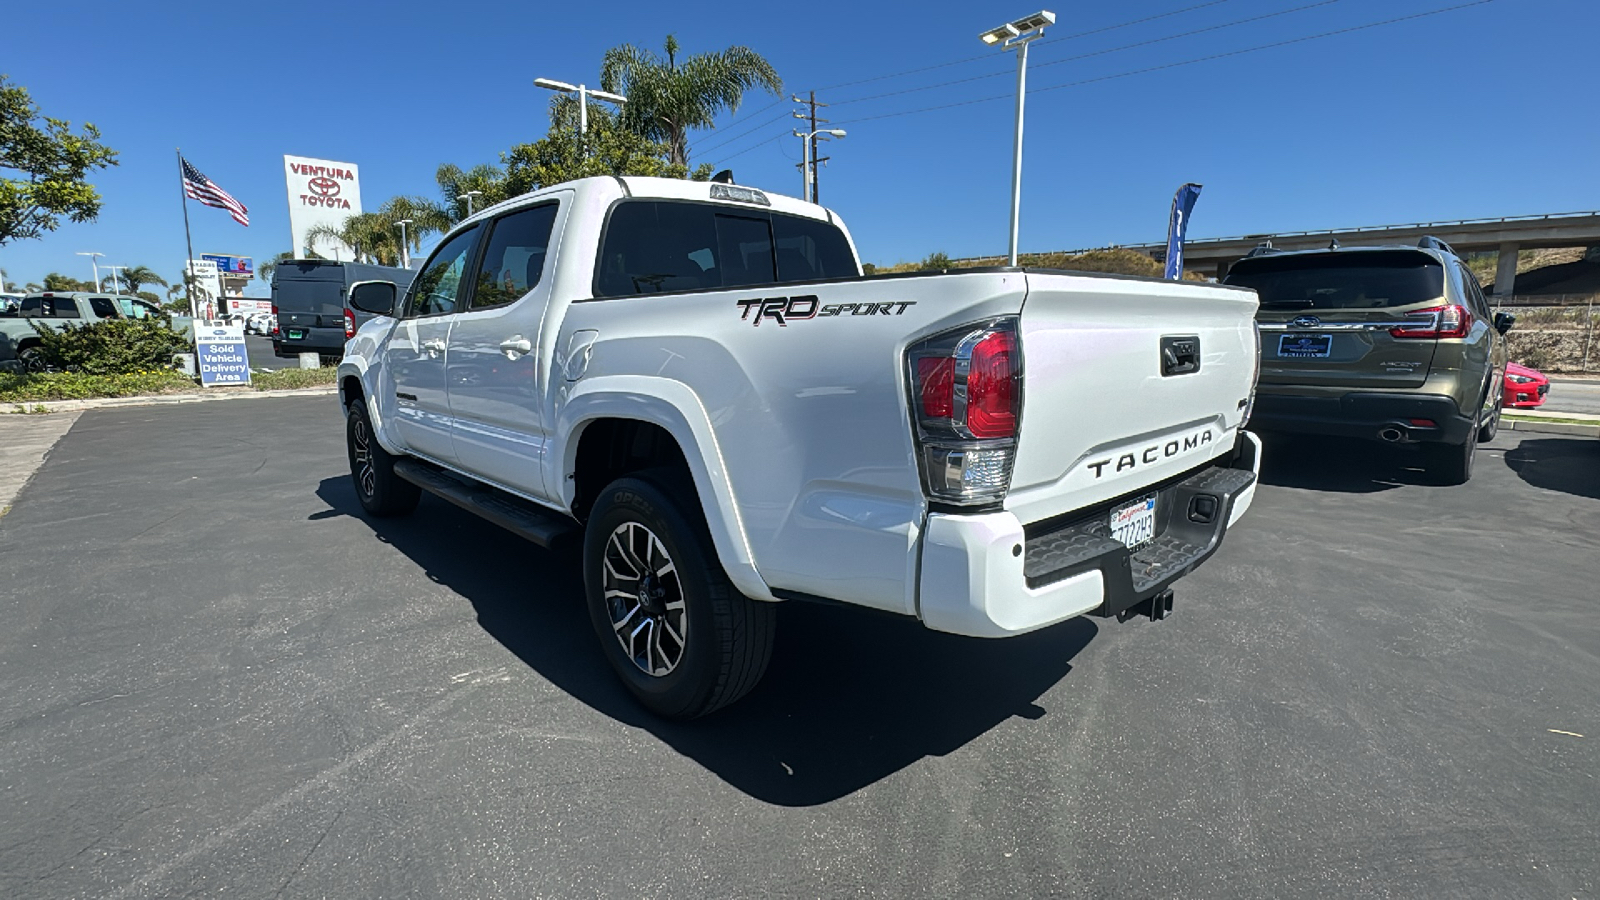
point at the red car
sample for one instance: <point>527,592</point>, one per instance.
<point>1525,387</point>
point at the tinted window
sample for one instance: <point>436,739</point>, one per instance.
<point>1353,281</point>
<point>50,308</point>
<point>103,307</point>
<point>808,249</point>
<point>744,250</point>
<point>515,256</point>
<point>438,288</point>
<point>656,246</point>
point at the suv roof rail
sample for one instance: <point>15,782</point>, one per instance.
<point>1429,242</point>
<point>1262,249</point>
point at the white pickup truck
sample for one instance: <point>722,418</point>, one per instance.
<point>697,381</point>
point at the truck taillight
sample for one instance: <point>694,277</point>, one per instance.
<point>349,324</point>
<point>274,318</point>
<point>966,390</point>
<point>1453,321</point>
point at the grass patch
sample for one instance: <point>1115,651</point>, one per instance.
<point>33,387</point>
<point>1513,417</point>
<point>290,379</point>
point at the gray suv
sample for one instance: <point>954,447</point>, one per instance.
<point>1393,344</point>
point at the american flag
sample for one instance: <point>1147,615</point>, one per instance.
<point>199,187</point>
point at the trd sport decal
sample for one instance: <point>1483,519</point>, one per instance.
<point>784,309</point>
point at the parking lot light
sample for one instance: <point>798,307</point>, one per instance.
<point>1018,35</point>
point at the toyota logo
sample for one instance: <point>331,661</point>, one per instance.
<point>1307,322</point>
<point>323,186</point>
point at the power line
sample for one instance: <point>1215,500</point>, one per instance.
<point>749,131</point>
<point>1187,62</point>
<point>1082,56</point>
<point>990,56</point>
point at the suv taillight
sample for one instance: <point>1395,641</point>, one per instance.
<point>349,324</point>
<point>966,389</point>
<point>1453,321</point>
<point>274,318</point>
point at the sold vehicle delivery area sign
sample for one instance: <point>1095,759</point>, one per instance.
<point>221,354</point>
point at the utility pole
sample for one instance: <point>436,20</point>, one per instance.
<point>811,143</point>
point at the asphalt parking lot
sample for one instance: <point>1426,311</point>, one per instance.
<point>218,678</point>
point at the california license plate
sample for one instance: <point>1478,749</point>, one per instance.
<point>1135,524</point>
<point>1304,346</point>
<point>296,334</point>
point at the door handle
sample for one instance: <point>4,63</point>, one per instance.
<point>516,346</point>
<point>434,347</point>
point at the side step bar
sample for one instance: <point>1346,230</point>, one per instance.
<point>518,516</point>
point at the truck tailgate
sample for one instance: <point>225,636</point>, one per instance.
<point>1126,383</point>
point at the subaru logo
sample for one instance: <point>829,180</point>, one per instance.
<point>220,332</point>
<point>1307,322</point>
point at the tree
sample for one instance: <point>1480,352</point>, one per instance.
<point>135,277</point>
<point>665,99</point>
<point>50,164</point>
<point>454,184</point>
<point>55,281</point>
<point>375,236</point>
<point>607,149</point>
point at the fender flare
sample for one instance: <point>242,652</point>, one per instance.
<point>358,368</point>
<point>676,409</point>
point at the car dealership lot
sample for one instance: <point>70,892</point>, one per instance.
<point>217,677</point>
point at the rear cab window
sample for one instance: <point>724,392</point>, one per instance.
<point>50,308</point>
<point>103,308</point>
<point>665,246</point>
<point>1351,281</point>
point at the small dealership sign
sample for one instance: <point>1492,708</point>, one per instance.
<point>221,354</point>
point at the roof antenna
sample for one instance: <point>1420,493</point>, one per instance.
<point>723,177</point>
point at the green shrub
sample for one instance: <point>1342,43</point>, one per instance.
<point>112,346</point>
<point>935,262</point>
<point>28,388</point>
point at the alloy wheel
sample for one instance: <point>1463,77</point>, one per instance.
<point>363,455</point>
<point>644,599</point>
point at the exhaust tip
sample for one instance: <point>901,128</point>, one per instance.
<point>1391,434</point>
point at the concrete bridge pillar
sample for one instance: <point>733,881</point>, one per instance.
<point>1505,274</point>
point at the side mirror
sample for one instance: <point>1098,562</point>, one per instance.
<point>377,297</point>
<point>1503,322</point>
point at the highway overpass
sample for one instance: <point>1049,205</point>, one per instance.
<point>1213,256</point>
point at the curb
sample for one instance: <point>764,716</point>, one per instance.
<point>51,406</point>
<point>1524,425</point>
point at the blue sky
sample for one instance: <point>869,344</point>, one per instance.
<point>1482,111</point>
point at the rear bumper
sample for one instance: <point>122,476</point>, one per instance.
<point>324,341</point>
<point>989,576</point>
<point>1362,415</point>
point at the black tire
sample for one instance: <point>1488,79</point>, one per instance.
<point>1491,428</point>
<point>726,637</point>
<point>1451,464</point>
<point>380,490</point>
<point>32,359</point>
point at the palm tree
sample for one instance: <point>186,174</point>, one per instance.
<point>375,236</point>
<point>665,99</point>
<point>489,181</point>
<point>135,277</point>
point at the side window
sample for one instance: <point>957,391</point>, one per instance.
<point>810,249</point>
<point>652,247</point>
<point>439,287</point>
<point>65,308</point>
<point>33,307</point>
<point>514,257</point>
<point>744,250</point>
<point>103,308</point>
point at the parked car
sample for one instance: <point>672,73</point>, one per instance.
<point>310,298</point>
<point>703,390</point>
<point>1525,388</point>
<point>9,303</point>
<point>1393,343</point>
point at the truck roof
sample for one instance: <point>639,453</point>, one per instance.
<point>606,189</point>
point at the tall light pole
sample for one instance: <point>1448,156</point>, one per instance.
<point>584,93</point>
<point>809,154</point>
<point>95,261</point>
<point>469,195</point>
<point>1018,35</point>
<point>405,249</point>
<point>114,286</point>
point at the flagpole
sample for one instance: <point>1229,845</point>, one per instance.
<point>188,281</point>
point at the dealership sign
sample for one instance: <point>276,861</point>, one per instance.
<point>221,354</point>
<point>206,278</point>
<point>321,192</point>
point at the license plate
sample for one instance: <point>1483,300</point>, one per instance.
<point>1135,524</point>
<point>1305,346</point>
<point>296,334</point>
